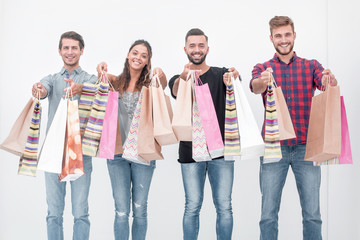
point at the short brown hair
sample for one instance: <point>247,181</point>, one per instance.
<point>74,36</point>
<point>280,21</point>
<point>195,32</point>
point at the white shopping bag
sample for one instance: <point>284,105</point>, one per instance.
<point>252,144</point>
<point>52,151</point>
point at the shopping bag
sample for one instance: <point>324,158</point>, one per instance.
<point>16,140</point>
<point>148,148</point>
<point>181,121</point>
<point>118,143</point>
<point>252,143</point>
<point>131,143</point>
<point>163,131</point>
<point>93,130</point>
<point>72,165</point>
<point>209,120</point>
<point>199,148</point>
<point>272,137</point>
<point>345,155</point>
<point>28,161</point>
<point>86,100</point>
<point>286,128</point>
<point>232,147</point>
<point>109,131</point>
<point>52,151</point>
<point>324,132</point>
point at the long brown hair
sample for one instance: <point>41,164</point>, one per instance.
<point>122,81</point>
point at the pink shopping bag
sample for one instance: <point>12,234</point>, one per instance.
<point>209,119</point>
<point>345,155</point>
<point>108,136</point>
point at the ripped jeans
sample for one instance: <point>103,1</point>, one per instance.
<point>130,184</point>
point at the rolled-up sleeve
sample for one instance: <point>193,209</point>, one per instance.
<point>256,72</point>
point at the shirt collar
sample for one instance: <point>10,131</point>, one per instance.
<point>64,71</point>
<point>277,59</point>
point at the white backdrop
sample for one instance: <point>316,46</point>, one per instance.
<point>238,36</point>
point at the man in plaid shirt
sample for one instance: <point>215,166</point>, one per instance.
<point>298,79</point>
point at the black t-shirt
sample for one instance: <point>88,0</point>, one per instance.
<point>214,78</point>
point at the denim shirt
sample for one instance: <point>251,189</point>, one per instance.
<point>55,86</point>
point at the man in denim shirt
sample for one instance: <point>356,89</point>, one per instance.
<point>71,47</point>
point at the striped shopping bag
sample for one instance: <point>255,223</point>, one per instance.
<point>232,148</point>
<point>199,147</point>
<point>93,130</point>
<point>86,100</point>
<point>29,160</point>
<point>272,137</point>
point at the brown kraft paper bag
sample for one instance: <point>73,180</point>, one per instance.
<point>148,148</point>
<point>15,142</point>
<point>324,132</point>
<point>118,145</point>
<point>286,128</point>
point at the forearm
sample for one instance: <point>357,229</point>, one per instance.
<point>176,86</point>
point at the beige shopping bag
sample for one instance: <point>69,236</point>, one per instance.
<point>15,142</point>
<point>182,119</point>
<point>286,128</point>
<point>147,146</point>
<point>324,132</point>
<point>163,131</point>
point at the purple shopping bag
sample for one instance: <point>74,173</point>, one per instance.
<point>209,119</point>
<point>108,136</point>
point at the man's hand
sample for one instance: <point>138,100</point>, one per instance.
<point>39,87</point>
<point>76,88</point>
<point>227,75</point>
<point>327,74</point>
<point>260,84</point>
<point>101,67</point>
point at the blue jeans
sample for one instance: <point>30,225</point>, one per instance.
<point>221,176</point>
<point>130,184</point>
<point>55,198</point>
<point>272,180</point>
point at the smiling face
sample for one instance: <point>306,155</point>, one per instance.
<point>138,57</point>
<point>70,53</point>
<point>283,40</point>
<point>196,49</point>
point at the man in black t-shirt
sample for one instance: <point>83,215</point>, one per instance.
<point>221,172</point>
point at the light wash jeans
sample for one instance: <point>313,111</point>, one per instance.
<point>130,184</point>
<point>221,176</point>
<point>55,198</point>
<point>272,180</point>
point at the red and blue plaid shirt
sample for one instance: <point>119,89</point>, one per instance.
<point>298,80</point>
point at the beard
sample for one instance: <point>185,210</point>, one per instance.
<point>281,52</point>
<point>197,61</point>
